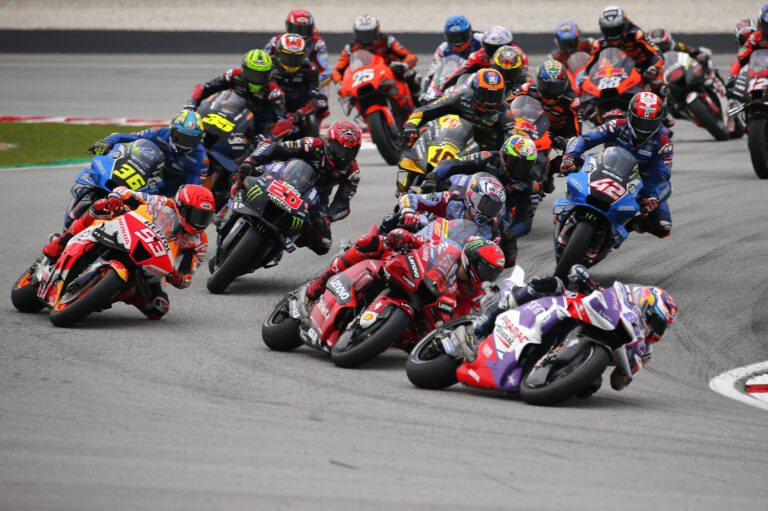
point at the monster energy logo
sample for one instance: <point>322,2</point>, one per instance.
<point>590,216</point>
<point>296,223</point>
<point>253,192</point>
<point>474,244</point>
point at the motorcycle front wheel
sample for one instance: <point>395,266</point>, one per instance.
<point>24,293</point>
<point>428,365</point>
<point>236,261</point>
<point>383,138</point>
<point>357,346</point>
<point>94,296</point>
<point>575,252</point>
<point>708,119</point>
<point>758,146</point>
<point>280,332</point>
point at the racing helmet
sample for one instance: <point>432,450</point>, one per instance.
<point>659,311</point>
<point>488,89</point>
<point>551,81</point>
<point>342,143</point>
<point>484,198</point>
<point>509,62</point>
<point>662,38</point>
<point>458,33</point>
<point>762,22</point>
<point>494,38</point>
<point>613,23</point>
<point>291,52</point>
<point>186,132</point>
<point>567,36</point>
<point>518,155</point>
<point>300,22</point>
<point>195,207</point>
<point>483,261</point>
<point>366,30</point>
<point>257,69</point>
<point>644,115</point>
<point>743,29</point>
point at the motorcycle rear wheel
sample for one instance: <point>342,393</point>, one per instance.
<point>708,119</point>
<point>236,261</point>
<point>428,365</point>
<point>568,380</point>
<point>581,240</point>
<point>280,332</point>
<point>357,346</point>
<point>24,293</point>
<point>383,138</point>
<point>757,142</point>
<point>95,296</point>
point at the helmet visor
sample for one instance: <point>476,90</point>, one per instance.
<point>255,77</point>
<point>569,45</point>
<point>303,29</point>
<point>657,323</point>
<point>196,218</point>
<point>489,97</point>
<point>644,127</point>
<point>366,37</point>
<point>291,60</point>
<point>184,142</point>
<point>552,90</point>
<point>340,155</point>
<point>517,168</point>
<point>510,74</point>
<point>485,205</point>
<point>612,32</point>
<point>457,38</point>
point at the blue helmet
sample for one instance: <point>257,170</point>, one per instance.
<point>762,21</point>
<point>186,132</point>
<point>458,32</point>
<point>567,35</point>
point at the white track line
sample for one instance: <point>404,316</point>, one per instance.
<point>731,382</point>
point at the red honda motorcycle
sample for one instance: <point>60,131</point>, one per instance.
<point>380,97</point>
<point>377,303</point>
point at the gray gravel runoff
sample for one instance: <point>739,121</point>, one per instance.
<point>194,412</point>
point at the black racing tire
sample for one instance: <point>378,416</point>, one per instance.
<point>383,138</point>
<point>568,380</point>
<point>758,146</point>
<point>95,296</point>
<point>708,119</point>
<point>428,366</point>
<point>581,240</point>
<point>356,347</point>
<point>738,128</point>
<point>236,261</point>
<point>24,293</point>
<point>280,332</point>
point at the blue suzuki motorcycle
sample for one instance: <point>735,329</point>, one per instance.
<point>137,165</point>
<point>601,199</point>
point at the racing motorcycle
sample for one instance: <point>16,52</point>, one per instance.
<point>751,92</point>
<point>100,265</point>
<point>595,330</point>
<point>601,198</point>
<point>575,66</point>
<point>445,69</point>
<point>137,165</point>
<point>609,85</point>
<point>448,137</point>
<point>228,139</point>
<point>380,97</point>
<point>531,120</point>
<point>376,304</point>
<point>696,96</point>
<point>264,219</point>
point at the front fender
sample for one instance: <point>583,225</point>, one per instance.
<point>383,109</point>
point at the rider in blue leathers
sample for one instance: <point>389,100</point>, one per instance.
<point>186,162</point>
<point>460,40</point>
<point>642,134</point>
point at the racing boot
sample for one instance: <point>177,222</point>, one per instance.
<point>55,247</point>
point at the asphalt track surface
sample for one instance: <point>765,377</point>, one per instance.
<point>194,412</point>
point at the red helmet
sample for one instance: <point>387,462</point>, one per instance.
<point>483,261</point>
<point>644,115</point>
<point>291,52</point>
<point>195,206</point>
<point>300,22</point>
<point>662,39</point>
<point>342,143</point>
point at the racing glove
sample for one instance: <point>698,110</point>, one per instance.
<point>648,204</point>
<point>409,219</point>
<point>559,143</point>
<point>568,164</point>
<point>398,68</point>
<point>244,170</point>
<point>729,87</point>
<point>400,239</point>
<point>651,76</point>
<point>100,148</point>
<point>431,183</point>
<point>280,129</point>
<point>175,278</point>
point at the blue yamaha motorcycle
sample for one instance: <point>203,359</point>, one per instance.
<point>137,165</point>
<point>601,199</point>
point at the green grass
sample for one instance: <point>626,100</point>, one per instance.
<point>38,143</point>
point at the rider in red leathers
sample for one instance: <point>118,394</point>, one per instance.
<point>569,41</point>
<point>757,41</point>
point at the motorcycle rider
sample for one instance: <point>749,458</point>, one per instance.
<point>186,161</point>
<point>483,201</point>
<point>194,208</point>
<point>757,41</point>
<point>367,36</point>
<point>333,158</point>
<point>569,41</point>
<point>482,105</point>
<point>743,29</point>
<point>298,79</point>
<point>509,61</point>
<point>493,39</point>
<point>643,135</point>
<point>665,42</point>
<point>657,308</point>
<point>252,82</point>
<point>512,166</point>
<point>460,40</point>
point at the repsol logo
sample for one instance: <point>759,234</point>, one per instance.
<point>338,288</point>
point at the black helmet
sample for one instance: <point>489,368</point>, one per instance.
<point>662,38</point>
<point>483,261</point>
<point>509,61</point>
<point>551,80</point>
